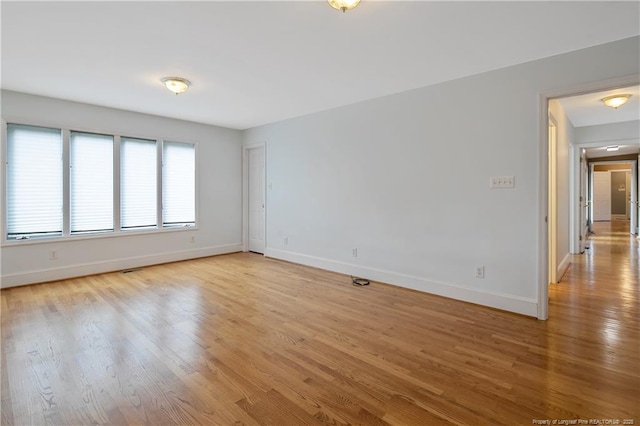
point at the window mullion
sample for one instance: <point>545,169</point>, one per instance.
<point>3,182</point>
<point>66,184</point>
<point>116,184</point>
<point>159,171</point>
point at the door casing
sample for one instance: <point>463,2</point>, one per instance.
<point>542,273</point>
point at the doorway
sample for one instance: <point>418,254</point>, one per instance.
<point>255,199</point>
<point>601,199</point>
<point>615,192</point>
<point>574,209</point>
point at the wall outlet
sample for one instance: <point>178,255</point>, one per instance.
<point>479,271</point>
<point>285,240</point>
<point>354,252</point>
<point>53,254</point>
<point>193,238</point>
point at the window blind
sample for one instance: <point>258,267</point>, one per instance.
<point>138,183</point>
<point>91,182</point>
<point>34,181</point>
<point>178,184</point>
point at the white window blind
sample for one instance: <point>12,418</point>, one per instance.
<point>34,181</point>
<point>178,184</point>
<point>138,183</point>
<point>91,182</point>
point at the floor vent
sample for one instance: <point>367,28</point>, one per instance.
<point>359,281</point>
<point>127,271</point>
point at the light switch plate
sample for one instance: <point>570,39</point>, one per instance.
<point>502,182</point>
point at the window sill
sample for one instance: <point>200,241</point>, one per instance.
<point>97,236</point>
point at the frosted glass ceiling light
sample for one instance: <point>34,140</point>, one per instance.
<point>613,148</point>
<point>343,5</point>
<point>176,84</point>
<point>615,101</point>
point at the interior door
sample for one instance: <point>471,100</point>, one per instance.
<point>584,203</point>
<point>256,200</point>
<point>602,196</point>
<point>627,196</point>
<point>634,207</point>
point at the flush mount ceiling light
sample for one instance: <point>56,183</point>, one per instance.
<point>343,5</point>
<point>613,148</point>
<point>615,101</point>
<point>176,84</point>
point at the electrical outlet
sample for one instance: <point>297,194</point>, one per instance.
<point>354,252</point>
<point>193,238</point>
<point>53,254</point>
<point>286,241</point>
<point>479,271</point>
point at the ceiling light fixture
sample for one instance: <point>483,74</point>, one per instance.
<point>343,5</point>
<point>613,148</point>
<point>176,84</point>
<point>615,101</point>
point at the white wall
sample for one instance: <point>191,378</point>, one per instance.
<point>405,179</point>
<point>219,195</point>
<point>565,138</point>
<point>624,132</point>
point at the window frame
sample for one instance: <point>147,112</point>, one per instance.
<point>157,182</point>
<point>70,190</point>
<point>161,185</point>
<point>4,156</point>
<point>66,228</point>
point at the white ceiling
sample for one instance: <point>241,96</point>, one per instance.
<point>601,152</point>
<point>588,110</point>
<point>258,62</point>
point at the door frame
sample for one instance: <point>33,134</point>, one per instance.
<point>579,199</point>
<point>633,168</point>
<point>245,194</point>
<point>542,273</point>
<point>630,204</point>
<point>591,171</point>
<point>552,214</point>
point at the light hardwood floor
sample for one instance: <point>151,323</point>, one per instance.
<point>239,339</point>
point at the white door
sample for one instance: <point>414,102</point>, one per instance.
<point>634,207</point>
<point>627,197</point>
<point>584,203</point>
<point>602,196</point>
<point>256,199</point>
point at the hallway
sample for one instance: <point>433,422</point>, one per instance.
<point>596,304</point>
<point>604,277</point>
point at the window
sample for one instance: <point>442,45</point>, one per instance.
<point>34,182</point>
<point>63,182</point>
<point>138,183</point>
<point>178,184</point>
<point>91,182</point>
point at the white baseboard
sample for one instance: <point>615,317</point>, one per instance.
<point>504,302</point>
<point>71,271</point>
<point>563,266</point>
